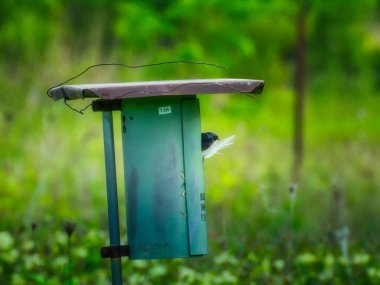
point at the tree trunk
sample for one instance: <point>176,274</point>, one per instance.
<point>300,90</point>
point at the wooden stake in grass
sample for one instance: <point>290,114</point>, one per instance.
<point>290,232</point>
<point>69,228</point>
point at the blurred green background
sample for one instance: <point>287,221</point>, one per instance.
<point>264,227</point>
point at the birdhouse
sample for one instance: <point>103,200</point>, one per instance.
<point>163,164</point>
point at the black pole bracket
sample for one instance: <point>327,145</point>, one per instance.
<point>114,251</point>
<point>106,105</point>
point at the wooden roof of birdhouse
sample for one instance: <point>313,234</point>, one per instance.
<point>112,91</point>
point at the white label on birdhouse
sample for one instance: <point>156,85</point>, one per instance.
<point>164,110</point>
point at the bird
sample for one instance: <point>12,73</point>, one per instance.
<point>211,144</point>
<point>208,139</point>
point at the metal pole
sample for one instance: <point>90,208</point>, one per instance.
<point>112,201</point>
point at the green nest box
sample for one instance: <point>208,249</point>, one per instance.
<point>163,163</point>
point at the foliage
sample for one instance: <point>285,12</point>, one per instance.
<point>28,258</point>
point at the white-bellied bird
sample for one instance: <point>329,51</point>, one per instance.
<point>211,144</point>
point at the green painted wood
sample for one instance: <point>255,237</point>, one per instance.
<point>153,169</point>
<point>193,162</point>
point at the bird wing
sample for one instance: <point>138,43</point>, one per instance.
<point>217,146</point>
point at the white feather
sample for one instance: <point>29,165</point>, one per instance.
<point>217,146</point>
